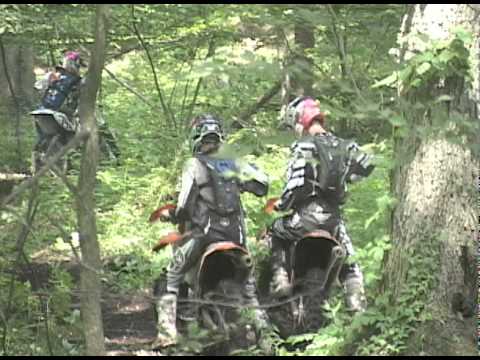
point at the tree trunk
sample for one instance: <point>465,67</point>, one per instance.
<point>298,68</point>
<point>434,183</point>
<point>16,74</point>
<point>90,285</point>
<point>16,96</point>
<point>302,71</point>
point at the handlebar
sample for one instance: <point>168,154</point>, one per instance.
<point>270,205</point>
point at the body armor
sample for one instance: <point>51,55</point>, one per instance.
<point>307,172</point>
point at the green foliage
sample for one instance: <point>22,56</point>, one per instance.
<point>15,151</point>
<point>395,321</point>
<point>441,59</point>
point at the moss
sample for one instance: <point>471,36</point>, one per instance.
<point>450,337</point>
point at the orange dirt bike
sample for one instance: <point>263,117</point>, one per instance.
<point>213,290</point>
<point>313,262</point>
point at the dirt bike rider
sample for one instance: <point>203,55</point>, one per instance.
<point>315,206</point>
<point>200,210</point>
<point>61,91</point>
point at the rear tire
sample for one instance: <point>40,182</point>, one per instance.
<point>313,302</point>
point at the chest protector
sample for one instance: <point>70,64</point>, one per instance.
<point>223,182</point>
<point>332,166</point>
<point>59,90</point>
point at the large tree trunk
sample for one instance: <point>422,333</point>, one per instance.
<point>434,183</point>
<point>90,285</point>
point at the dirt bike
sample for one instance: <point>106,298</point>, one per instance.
<point>313,262</point>
<point>57,130</point>
<point>213,289</point>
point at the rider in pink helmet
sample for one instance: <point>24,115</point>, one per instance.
<point>72,62</point>
<point>320,167</point>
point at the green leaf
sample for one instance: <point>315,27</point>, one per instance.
<point>389,80</point>
<point>416,83</point>
<point>463,35</point>
<point>445,56</point>
<point>423,68</point>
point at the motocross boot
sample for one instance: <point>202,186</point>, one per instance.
<point>167,314</point>
<point>266,334</point>
<point>354,292</point>
<point>280,285</point>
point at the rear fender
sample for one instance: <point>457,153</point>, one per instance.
<point>227,248</point>
<point>60,118</point>
<point>335,258</point>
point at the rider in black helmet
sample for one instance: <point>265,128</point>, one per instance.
<point>209,213</point>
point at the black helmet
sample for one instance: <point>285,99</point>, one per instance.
<point>206,128</point>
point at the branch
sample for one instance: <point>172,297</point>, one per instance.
<point>79,137</point>
<point>340,43</point>
<point>122,52</point>
<point>68,239</point>
<point>253,109</point>
<point>405,29</point>
<point>166,110</point>
<point>210,52</point>
<point>13,177</point>
<point>187,83</point>
<point>73,189</point>
<point>313,290</point>
<point>129,88</point>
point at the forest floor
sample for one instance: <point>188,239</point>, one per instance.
<point>128,319</point>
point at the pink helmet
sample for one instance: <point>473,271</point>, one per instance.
<point>72,55</point>
<point>303,110</point>
<point>72,61</point>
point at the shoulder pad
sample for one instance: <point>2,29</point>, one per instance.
<point>352,146</point>
<point>305,147</point>
<point>197,170</point>
<point>224,167</point>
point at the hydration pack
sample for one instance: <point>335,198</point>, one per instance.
<point>58,91</point>
<point>332,167</point>
<point>224,185</point>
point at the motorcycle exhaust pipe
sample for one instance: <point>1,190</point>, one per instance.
<point>244,261</point>
<point>338,252</point>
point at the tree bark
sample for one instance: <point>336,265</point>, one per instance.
<point>434,183</point>
<point>298,66</point>
<point>16,94</point>
<point>16,73</point>
<point>90,285</point>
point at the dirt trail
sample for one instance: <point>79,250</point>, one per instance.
<point>129,324</point>
<point>128,319</point>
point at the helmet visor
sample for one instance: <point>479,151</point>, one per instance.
<point>206,128</point>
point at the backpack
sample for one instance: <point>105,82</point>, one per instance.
<point>332,167</point>
<point>224,184</point>
<point>58,91</point>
